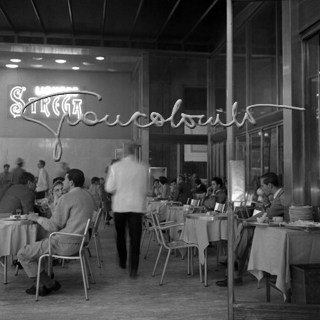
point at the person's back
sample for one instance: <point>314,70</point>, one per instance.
<point>16,174</point>
<point>131,186</point>
<point>17,197</point>
<point>183,191</point>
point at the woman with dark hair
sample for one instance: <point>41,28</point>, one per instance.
<point>155,189</point>
<point>215,194</point>
<point>164,187</point>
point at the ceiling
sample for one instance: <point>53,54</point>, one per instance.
<point>165,25</point>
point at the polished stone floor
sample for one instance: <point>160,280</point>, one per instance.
<point>115,296</point>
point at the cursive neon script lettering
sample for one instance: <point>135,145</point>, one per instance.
<point>156,118</point>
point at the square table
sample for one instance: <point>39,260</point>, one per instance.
<point>275,248</point>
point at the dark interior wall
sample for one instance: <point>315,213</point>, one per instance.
<point>169,76</point>
<point>115,89</point>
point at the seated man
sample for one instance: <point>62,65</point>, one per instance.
<point>19,196</point>
<point>70,216</point>
<point>269,184</point>
<point>215,194</point>
<point>200,187</point>
<point>183,191</point>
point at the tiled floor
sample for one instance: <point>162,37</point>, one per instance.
<point>116,296</point>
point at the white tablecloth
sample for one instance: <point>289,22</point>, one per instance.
<point>158,207</point>
<point>275,248</point>
<point>201,232</point>
<point>16,234</point>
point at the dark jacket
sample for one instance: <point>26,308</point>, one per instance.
<point>18,196</point>
<point>182,193</point>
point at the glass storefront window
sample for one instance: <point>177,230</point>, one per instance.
<point>254,159</point>
<point>312,118</point>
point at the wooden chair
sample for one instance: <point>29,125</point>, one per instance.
<point>82,256</point>
<point>170,246</point>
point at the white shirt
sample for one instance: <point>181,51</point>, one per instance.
<point>276,193</point>
<point>127,180</point>
<point>43,180</point>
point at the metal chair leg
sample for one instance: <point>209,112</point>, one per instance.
<point>165,267</point>
<point>84,278</point>
<point>145,256</point>
<point>157,260</point>
<point>205,268</point>
<point>97,252</point>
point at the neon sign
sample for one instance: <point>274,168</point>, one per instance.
<point>156,118</point>
<point>48,107</point>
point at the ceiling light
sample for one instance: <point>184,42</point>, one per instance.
<point>36,65</point>
<point>100,58</point>
<point>75,68</point>
<point>88,64</point>
<point>12,66</point>
<point>37,58</point>
<point>112,70</point>
<point>15,60</point>
<point>61,61</point>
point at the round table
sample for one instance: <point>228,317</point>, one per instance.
<point>14,234</point>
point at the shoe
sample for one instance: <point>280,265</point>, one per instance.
<point>55,287</point>
<point>43,291</point>
<point>17,263</point>
<point>122,265</point>
<point>224,283</point>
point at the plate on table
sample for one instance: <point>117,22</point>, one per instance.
<point>263,224</point>
<point>17,217</point>
<point>303,226</point>
<point>274,224</point>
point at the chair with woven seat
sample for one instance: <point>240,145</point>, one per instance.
<point>170,246</point>
<point>82,256</point>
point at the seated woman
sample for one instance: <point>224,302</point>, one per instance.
<point>215,194</point>
<point>173,187</point>
<point>155,190</point>
<point>47,207</point>
<point>164,188</point>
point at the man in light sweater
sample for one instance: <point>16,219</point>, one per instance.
<point>70,216</point>
<point>127,181</point>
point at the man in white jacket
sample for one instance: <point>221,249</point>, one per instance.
<point>43,181</point>
<point>127,181</point>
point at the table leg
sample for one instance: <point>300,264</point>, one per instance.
<point>5,270</point>
<point>205,267</point>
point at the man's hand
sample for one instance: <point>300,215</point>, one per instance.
<point>33,217</point>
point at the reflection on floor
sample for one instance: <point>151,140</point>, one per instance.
<point>116,296</point>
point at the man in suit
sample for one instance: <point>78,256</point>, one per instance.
<point>19,196</point>
<point>183,191</point>
<point>269,184</point>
